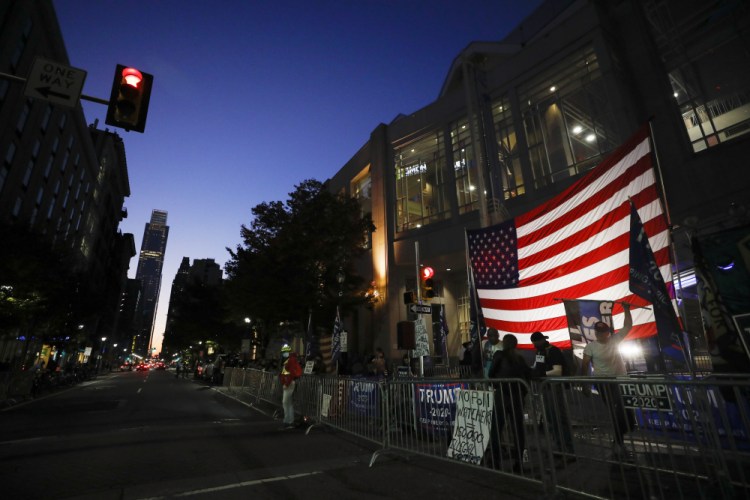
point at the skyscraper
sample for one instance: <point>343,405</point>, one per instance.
<point>150,264</point>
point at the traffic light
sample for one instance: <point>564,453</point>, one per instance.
<point>128,102</point>
<point>428,291</point>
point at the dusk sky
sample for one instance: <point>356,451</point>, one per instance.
<point>252,97</point>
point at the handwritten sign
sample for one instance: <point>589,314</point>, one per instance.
<point>421,339</point>
<point>472,426</point>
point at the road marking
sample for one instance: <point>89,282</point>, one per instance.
<point>235,485</point>
<point>139,390</point>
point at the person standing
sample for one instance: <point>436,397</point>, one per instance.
<point>550,362</point>
<point>290,372</point>
<point>509,399</point>
<point>489,347</point>
<point>603,355</point>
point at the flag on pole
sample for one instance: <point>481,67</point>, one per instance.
<point>574,246</point>
<point>476,327</point>
<point>338,328</point>
<point>647,282</point>
<point>443,332</point>
<point>309,338</point>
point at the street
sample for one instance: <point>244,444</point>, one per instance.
<point>141,435</point>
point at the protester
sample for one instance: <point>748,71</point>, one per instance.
<point>377,366</point>
<point>604,356</point>
<point>290,372</point>
<point>489,348</point>
<point>550,362</point>
<point>509,399</point>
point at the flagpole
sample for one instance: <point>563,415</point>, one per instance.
<point>672,250</point>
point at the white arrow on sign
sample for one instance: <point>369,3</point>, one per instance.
<point>54,82</point>
<point>420,309</point>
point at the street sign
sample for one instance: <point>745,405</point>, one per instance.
<point>420,309</point>
<point>54,82</point>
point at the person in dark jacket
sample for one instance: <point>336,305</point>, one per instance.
<point>509,398</point>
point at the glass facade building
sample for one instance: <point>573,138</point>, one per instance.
<point>519,120</point>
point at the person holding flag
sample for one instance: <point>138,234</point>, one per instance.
<point>604,356</point>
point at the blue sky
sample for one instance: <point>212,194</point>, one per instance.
<point>252,97</point>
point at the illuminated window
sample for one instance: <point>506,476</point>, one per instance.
<point>508,177</point>
<point>567,129</point>
<point>361,188</point>
<point>420,183</point>
<point>706,51</point>
<point>464,167</point>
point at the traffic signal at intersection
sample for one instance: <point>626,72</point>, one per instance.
<point>128,102</point>
<point>428,284</point>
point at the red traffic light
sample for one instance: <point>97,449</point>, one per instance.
<point>427,272</point>
<point>132,77</point>
<point>128,102</point>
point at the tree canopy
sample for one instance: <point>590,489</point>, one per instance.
<point>291,253</point>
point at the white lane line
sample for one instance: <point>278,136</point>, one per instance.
<point>139,390</point>
<point>235,485</point>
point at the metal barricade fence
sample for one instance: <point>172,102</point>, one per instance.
<point>596,437</point>
<point>353,405</point>
<point>474,422</point>
<point>647,437</point>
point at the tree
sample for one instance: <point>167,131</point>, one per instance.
<point>291,254</point>
<point>40,287</point>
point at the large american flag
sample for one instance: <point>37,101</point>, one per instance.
<point>575,246</point>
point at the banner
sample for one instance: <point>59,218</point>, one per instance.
<point>472,426</point>
<point>436,405</point>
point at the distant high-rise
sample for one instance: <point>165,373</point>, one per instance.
<point>150,264</point>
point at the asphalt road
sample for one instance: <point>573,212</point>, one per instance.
<point>149,435</point>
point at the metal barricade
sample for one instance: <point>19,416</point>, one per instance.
<point>352,405</point>
<point>648,437</point>
<point>475,422</point>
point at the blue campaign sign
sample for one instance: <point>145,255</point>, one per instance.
<point>364,398</point>
<point>436,405</point>
<point>696,415</point>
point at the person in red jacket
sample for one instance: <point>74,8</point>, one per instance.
<point>290,372</point>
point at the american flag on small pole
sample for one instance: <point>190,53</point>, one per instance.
<point>574,246</point>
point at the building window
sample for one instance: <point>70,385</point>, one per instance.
<point>361,188</point>
<point>46,117</point>
<point>62,121</point>
<point>567,118</point>
<point>508,178</point>
<point>48,168</point>
<point>17,206</point>
<point>3,175</point>
<point>420,183</point>
<point>706,52</point>
<point>464,167</point>
<point>27,174</point>
<point>23,117</point>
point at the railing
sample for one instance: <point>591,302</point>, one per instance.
<point>602,438</point>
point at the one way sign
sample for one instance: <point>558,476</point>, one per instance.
<point>54,82</point>
<point>420,309</point>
